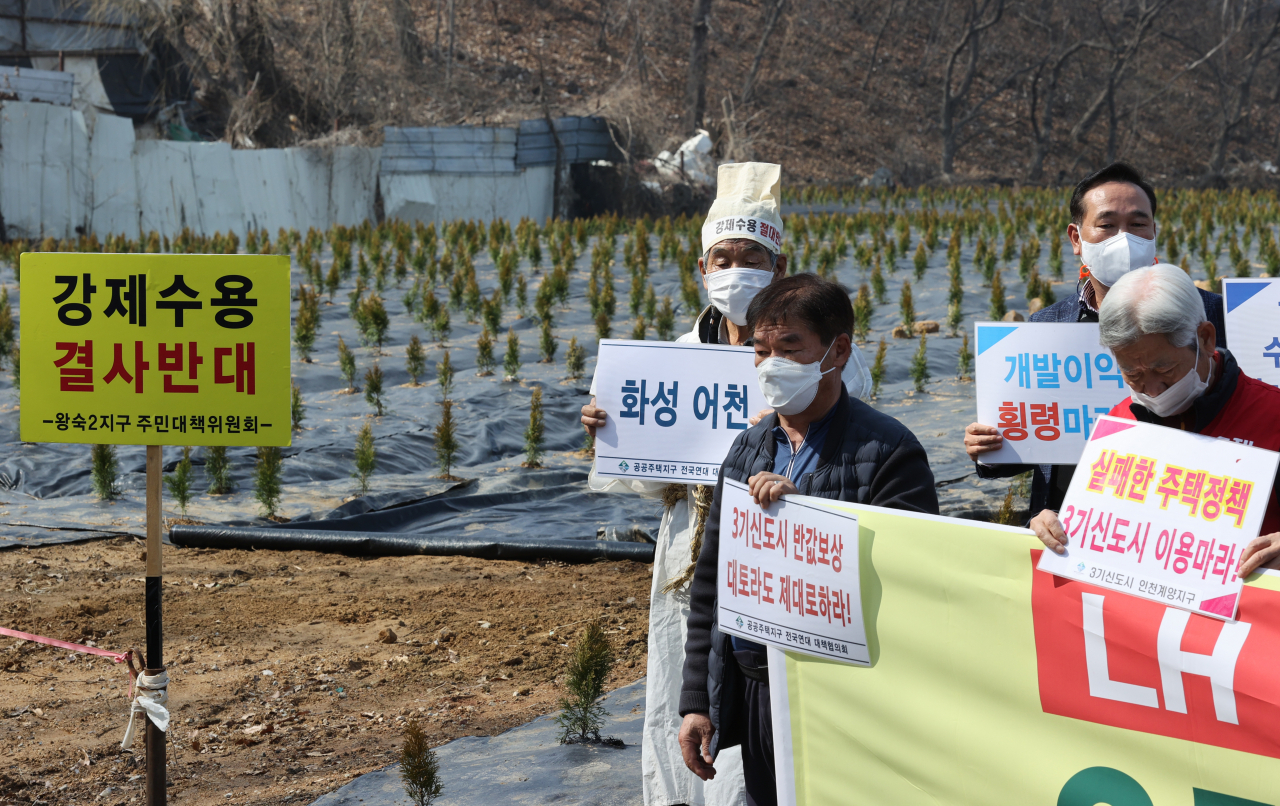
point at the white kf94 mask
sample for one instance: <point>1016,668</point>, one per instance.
<point>1118,255</point>
<point>731,291</point>
<point>789,386</point>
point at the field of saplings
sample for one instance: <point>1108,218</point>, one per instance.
<point>451,359</point>
<point>438,372</point>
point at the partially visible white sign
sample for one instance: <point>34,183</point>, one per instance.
<point>1253,325</point>
<point>1043,385</point>
<point>673,409</point>
<point>788,575</point>
<point>1163,514</point>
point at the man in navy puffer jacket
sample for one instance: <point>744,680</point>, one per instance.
<point>818,442</point>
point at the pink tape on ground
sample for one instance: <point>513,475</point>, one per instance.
<point>118,657</point>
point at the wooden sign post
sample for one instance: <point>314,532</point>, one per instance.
<point>154,350</point>
<point>155,740</point>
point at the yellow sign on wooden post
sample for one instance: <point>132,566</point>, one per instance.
<point>155,349</point>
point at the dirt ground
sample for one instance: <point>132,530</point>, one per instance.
<point>279,687</point>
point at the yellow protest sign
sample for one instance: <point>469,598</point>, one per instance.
<point>994,683</point>
<point>162,349</point>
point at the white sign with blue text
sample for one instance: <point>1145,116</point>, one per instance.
<point>1253,326</point>
<point>1043,385</point>
<point>673,409</point>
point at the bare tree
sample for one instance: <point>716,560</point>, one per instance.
<point>1137,20</point>
<point>229,46</point>
<point>637,57</point>
<point>1046,76</point>
<point>1244,40</point>
<point>748,86</point>
<point>448,63</point>
<point>335,53</point>
<point>406,26</point>
<point>602,38</point>
<point>696,92</point>
<point>875,48</point>
<point>963,60</point>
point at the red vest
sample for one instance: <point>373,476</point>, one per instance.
<point>1252,417</point>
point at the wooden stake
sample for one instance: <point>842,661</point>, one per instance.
<point>155,502</point>
<point>156,778</point>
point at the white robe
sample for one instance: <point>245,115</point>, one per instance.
<point>667,781</point>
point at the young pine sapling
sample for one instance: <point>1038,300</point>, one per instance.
<point>511,359</point>
<point>415,359</point>
<point>366,456</point>
<point>217,469</point>
<point>444,376</point>
<point>533,434</point>
<point>446,440</point>
<point>373,388</point>
<point>575,359</point>
<point>179,482</point>
<point>106,472</point>
<point>297,411</point>
<point>347,364</point>
<point>419,767</point>
<point>581,715</point>
<point>266,480</point>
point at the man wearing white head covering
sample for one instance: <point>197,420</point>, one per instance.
<point>741,241</point>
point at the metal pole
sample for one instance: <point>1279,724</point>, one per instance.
<point>155,788</point>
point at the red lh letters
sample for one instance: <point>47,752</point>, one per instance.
<point>1132,663</point>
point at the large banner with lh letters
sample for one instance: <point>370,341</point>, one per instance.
<point>993,683</point>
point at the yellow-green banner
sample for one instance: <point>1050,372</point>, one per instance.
<point>155,349</point>
<point>993,683</point>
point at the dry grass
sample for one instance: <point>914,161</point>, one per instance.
<point>327,71</point>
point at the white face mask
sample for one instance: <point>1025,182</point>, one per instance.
<point>731,291</point>
<point>789,386</point>
<point>1118,255</point>
<point>1179,397</point>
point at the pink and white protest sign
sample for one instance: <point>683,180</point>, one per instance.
<point>1163,514</point>
<point>1043,385</point>
<point>789,575</point>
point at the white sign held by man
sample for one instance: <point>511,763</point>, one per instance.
<point>788,575</point>
<point>1253,325</point>
<point>1163,514</point>
<point>674,409</point>
<point>1043,385</point>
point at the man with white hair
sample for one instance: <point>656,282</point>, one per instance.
<point>1153,320</point>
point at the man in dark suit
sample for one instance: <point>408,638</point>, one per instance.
<point>1113,230</point>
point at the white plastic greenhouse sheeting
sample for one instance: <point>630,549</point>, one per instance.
<point>444,197</point>
<point>186,185</point>
<point>113,185</point>
<point>300,187</point>
<point>61,169</point>
<point>43,168</point>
